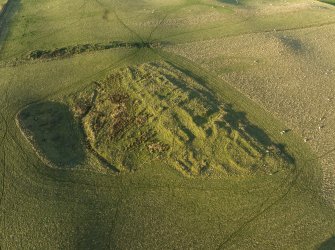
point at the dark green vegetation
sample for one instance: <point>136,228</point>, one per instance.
<point>65,52</point>
<point>50,127</point>
<point>155,111</point>
<point>332,2</point>
<point>73,50</point>
<point>149,106</point>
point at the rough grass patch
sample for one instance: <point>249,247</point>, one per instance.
<point>155,111</point>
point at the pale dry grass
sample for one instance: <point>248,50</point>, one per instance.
<point>291,74</point>
<point>191,16</point>
<point>285,7</point>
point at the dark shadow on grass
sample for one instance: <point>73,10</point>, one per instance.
<point>235,2</point>
<point>238,119</point>
<point>294,44</point>
<point>53,131</point>
<point>331,2</point>
<point>328,244</point>
<point>204,95</point>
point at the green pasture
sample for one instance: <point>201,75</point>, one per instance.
<point>86,205</point>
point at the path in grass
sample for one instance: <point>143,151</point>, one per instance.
<point>104,211</point>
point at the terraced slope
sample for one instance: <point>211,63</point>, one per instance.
<point>155,111</point>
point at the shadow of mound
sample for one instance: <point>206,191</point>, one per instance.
<point>239,119</point>
<point>235,2</point>
<point>331,2</point>
<point>54,133</point>
<point>328,244</point>
<point>292,43</point>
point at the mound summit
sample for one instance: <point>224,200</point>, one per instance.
<point>155,111</point>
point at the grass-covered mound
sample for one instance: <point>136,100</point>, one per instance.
<point>154,111</point>
<point>53,132</point>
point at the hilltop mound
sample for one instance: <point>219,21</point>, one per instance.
<point>154,111</point>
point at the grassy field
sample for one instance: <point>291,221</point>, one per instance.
<point>71,106</point>
<point>283,76</point>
